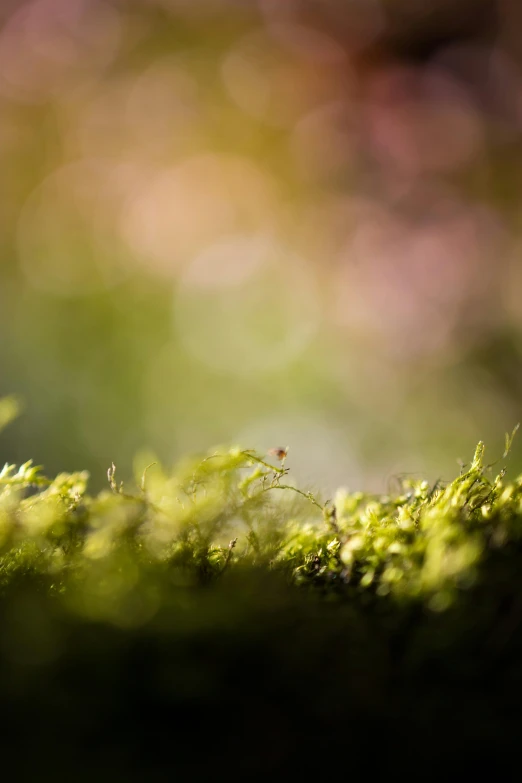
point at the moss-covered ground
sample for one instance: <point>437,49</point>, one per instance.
<point>218,622</point>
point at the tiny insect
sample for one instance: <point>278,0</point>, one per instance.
<point>279,453</point>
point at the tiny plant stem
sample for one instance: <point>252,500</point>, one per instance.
<point>144,476</point>
<point>306,495</point>
<point>260,461</point>
<point>229,554</point>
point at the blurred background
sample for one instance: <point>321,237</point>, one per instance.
<point>264,222</point>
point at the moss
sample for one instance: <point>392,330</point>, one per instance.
<point>218,614</point>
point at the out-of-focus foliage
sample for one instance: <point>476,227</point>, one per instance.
<point>261,222</point>
<point>9,410</point>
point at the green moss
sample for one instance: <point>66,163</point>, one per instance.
<point>220,589</point>
<point>234,510</point>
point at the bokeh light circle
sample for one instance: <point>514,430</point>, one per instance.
<point>181,210</point>
<point>275,81</point>
<point>51,46</point>
<point>164,112</point>
<point>246,306</point>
